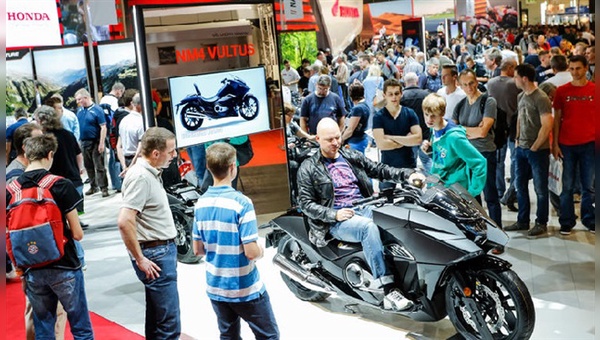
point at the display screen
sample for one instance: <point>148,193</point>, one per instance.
<point>454,29</point>
<point>220,105</point>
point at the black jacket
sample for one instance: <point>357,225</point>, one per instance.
<point>315,186</point>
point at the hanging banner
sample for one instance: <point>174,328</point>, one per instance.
<point>32,23</point>
<point>342,20</point>
<point>292,9</point>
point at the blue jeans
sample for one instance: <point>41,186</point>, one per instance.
<point>257,313</point>
<point>45,287</point>
<point>78,246</point>
<point>489,190</point>
<point>500,170</point>
<point>582,155</point>
<point>361,228</point>
<point>197,155</point>
<point>425,158</point>
<point>536,165</point>
<point>162,298</point>
<point>358,144</point>
<point>114,169</point>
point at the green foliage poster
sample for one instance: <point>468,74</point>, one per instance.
<point>298,45</point>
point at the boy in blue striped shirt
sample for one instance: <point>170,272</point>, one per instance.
<point>226,232</point>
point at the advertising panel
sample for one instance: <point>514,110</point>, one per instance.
<point>219,105</point>
<point>61,70</point>
<point>32,23</point>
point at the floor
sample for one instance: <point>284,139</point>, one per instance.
<point>559,272</point>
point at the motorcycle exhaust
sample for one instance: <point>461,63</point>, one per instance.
<point>302,276</point>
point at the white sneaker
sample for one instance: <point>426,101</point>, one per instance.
<point>12,275</point>
<point>395,301</point>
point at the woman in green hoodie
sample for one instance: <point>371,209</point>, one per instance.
<point>455,159</point>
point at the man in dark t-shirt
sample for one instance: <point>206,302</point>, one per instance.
<point>396,130</point>
<point>320,104</point>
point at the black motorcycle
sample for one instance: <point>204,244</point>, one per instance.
<point>232,100</point>
<point>436,242</point>
<point>182,197</point>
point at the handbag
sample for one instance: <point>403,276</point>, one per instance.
<point>555,175</point>
<point>379,99</point>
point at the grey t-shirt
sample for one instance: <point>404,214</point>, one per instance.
<point>469,115</point>
<point>531,108</point>
<point>144,193</point>
<point>505,91</point>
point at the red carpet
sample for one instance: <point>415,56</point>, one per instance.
<point>15,323</point>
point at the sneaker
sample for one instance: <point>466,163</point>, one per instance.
<point>12,275</point>
<point>104,192</point>
<point>565,231</point>
<point>511,207</point>
<point>517,226</point>
<point>537,230</point>
<point>91,191</point>
<point>395,301</point>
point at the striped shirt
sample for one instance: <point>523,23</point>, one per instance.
<point>224,220</point>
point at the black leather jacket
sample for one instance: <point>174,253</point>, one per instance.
<point>315,186</point>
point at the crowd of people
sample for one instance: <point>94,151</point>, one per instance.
<point>528,91</point>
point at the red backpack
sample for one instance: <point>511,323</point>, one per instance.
<point>34,225</point>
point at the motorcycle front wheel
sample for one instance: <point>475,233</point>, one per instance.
<point>183,240</point>
<point>499,307</point>
<point>290,249</point>
<point>189,117</point>
<point>249,108</point>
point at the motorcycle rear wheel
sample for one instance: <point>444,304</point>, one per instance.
<point>286,247</point>
<point>249,108</point>
<point>188,122</point>
<point>183,240</point>
<point>503,308</point>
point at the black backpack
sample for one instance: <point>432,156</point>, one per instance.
<point>110,125</point>
<point>500,127</point>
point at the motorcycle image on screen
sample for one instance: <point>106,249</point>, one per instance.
<point>436,242</point>
<point>232,100</point>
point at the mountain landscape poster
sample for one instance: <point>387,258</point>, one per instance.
<point>61,70</point>
<point>117,63</point>
<point>20,87</point>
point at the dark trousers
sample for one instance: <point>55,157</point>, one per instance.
<point>490,191</point>
<point>257,313</point>
<point>94,164</point>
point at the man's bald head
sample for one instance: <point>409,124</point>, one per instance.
<point>327,124</point>
<point>329,138</point>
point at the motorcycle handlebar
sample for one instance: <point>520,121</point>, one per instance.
<point>370,200</point>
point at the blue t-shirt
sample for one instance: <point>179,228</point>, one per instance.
<point>316,108</point>
<point>362,111</point>
<point>403,157</point>
<point>90,119</point>
<point>224,220</point>
<point>345,183</point>
<point>10,131</point>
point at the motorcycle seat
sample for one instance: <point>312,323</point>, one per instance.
<point>211,99</point>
